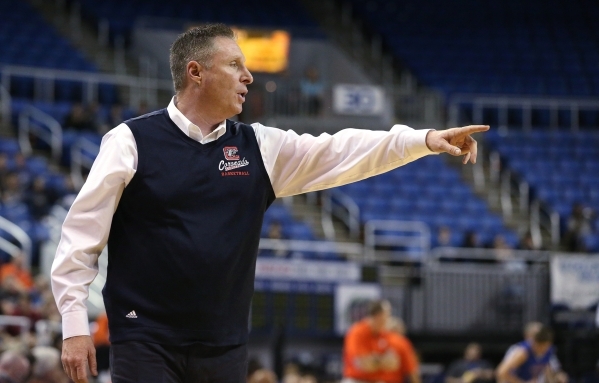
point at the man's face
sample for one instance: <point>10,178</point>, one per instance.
<point>473,352</point>
<point>224,83</point>
<point>380,320</point>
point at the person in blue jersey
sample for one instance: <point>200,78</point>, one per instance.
<point>530,330</point>
<point>529,361</point>
<point>179,197</point>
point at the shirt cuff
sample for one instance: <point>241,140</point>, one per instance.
<point>416,143</point>
<point>74,323</point>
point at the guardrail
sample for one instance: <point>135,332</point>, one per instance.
<point>503,104</point>
<point>5,105</point>
<point>33,121</point>
<point>413,236</point>
<point>83,153</point>
<point>340,205</point>
<point>21,237</point>
<point>139,88</point>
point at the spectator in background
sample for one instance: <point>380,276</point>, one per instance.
<point>275,232</point>
<point>142,109</point>
<point>529,333</point>
<point>527,243</point>
<point>15,269</point>
<point>529,360</point>
<point>262,375</point>
<point>579,225</point>
<point>14,367</point>
<point>95,117</point>
<point>116,116</point>
<point>39,198</point>
<point>291,373</point>
<point>471,369</point>
<point>312,91</point>
<point>407,358</point>
<point>4,169</point>
<point>444,237</point>
<point>12,191</point>
<point>78,119</point>
<point>470,240</point>
<point>369,354</point>
<point>47,367</point>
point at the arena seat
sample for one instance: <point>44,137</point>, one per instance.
<point>534,48</point>
<point>428,191</point>
<point>248,13</point>
<point>26,39</point>
<point>561,169</point>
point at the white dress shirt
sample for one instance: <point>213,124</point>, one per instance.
<point>295,164</point>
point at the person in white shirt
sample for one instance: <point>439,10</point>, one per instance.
<point>210,81</point>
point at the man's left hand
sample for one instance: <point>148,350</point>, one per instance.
<point>456,141</point>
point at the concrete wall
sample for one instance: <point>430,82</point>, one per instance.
<point>333,65</point>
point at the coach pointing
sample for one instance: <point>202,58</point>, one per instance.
<point>179,196</point>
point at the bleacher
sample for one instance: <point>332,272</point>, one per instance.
<point>429,191</point>
<point>514,47</point>
<point>561,168</point>
<point>255,13</point>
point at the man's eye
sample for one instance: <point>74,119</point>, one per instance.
<point>234,64</point>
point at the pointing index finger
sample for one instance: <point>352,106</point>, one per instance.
<point>470,129</point>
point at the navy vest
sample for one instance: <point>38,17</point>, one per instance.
<point>184,239</point>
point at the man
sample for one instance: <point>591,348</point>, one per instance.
<point>529,361</point>
<point>179,196</point>
<point>529,332</point>
<point>471,369</point>
<point>368,351</point>
<point>406,355</point>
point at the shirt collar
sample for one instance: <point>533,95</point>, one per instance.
<point>191,129</point>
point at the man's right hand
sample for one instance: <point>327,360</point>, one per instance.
<point>78,353</point>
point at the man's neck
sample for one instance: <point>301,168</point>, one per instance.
<point>190,111</point>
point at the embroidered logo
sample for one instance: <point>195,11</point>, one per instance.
<point>232,162</point>
<point>131,315</point>
<point>231,153</point>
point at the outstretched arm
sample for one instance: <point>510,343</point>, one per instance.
<point>299,164</point>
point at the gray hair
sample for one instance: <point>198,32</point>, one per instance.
<point>197,44</point>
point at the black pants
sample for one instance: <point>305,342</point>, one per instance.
<point>141,362</point>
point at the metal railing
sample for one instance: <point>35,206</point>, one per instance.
<point>541,218</point>
<point>504,103</point>
<point>33,121</point>
<point>21,237</point>
<point>513,188</point>
<point>349,250</point>
<point>83,153</point>
<point>139,88</point>
<point>479,254</point>
<point>5,105</point>
<point>339,205</point>
<point>412,240</point>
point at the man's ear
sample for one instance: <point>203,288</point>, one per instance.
<point>194,72</point>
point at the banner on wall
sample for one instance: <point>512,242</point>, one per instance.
<point>358,100</point>
<point>351,303</point>
<point>304,270</point>
<point>575,281</point>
